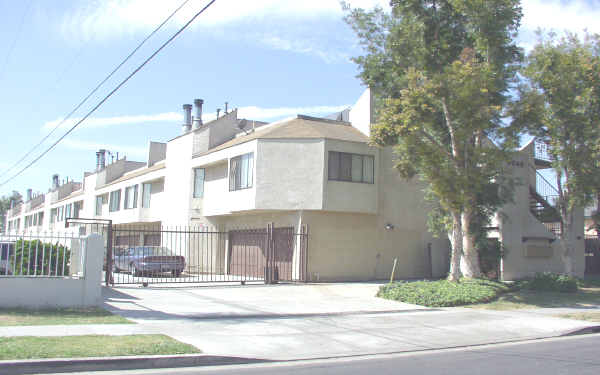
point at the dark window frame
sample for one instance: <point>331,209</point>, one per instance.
<point>340,157</point>
<point>235,174</point>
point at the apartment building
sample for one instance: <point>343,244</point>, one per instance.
<point>321,172</point>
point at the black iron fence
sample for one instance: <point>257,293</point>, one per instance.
<point>592,255</point>
<point>152,254</point>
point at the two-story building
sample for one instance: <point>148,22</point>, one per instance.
<point>233,173</point>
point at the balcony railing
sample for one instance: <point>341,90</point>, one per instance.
<point>541,151</point>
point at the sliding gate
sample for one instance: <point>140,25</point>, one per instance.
<point>153,254</point>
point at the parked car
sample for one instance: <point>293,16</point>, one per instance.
<point>141,260</point>
<point>7,248</point>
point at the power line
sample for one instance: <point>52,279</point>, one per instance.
<point>113,91</point>
<point>96,88</point>
<point>14,42</point>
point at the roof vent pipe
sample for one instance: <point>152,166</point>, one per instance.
<point>29,194</point>
<point>226,108</point>
<point>218,111</point>
<point>187,118</point>
<point>100,159</point>
<point>55,181</point>
<point>198,118</point>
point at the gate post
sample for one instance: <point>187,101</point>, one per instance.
<point>269,265</point>
<point>108,277</point>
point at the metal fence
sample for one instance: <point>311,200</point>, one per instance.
<point>152,254</point>
<point>42,254</point>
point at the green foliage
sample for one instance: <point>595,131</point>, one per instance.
<point>441,71</point>
<point>443,293</point>
<point>40,258</point>
<point>560,105</point>
<point>5,205</point>
<point>551,282</point>
<point>490,252</point>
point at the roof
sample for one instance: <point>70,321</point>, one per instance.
<point>135,173</point>
<point>301,127</point>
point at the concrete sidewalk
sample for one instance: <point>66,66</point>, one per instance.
<point>285,322</point>
<point>249,324</point>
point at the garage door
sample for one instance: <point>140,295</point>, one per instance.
<point>248,253</point>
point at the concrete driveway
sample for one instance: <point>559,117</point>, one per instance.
<point>281,322</point>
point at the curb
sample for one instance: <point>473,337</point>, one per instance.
<point>48,366</point>
<point>583,331</point>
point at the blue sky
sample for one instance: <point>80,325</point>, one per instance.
<point>270,58</point>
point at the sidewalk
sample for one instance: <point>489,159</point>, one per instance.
<point>292,322</point>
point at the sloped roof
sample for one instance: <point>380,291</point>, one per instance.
<point>301,127</point>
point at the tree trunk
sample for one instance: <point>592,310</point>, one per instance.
<point>456,239</point>
<point>469,264</point>
<point>566,242</point>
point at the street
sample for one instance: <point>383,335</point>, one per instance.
<point>566,355</point>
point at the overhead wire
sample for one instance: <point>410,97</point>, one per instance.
<point>88,114</point>
<point>15,39</point>
<point>95,89</point>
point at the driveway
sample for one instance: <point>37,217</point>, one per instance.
<point>286,321</point>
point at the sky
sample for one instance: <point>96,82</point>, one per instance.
<point>270,58</point>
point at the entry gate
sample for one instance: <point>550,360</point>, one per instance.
<point>152,254</point>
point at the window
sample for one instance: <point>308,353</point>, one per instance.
<point>68,209</point>
<point>241,172</point>
<point>115,201</point>
<point>99,202</point>
<point>60,213</point>
<point>77,207</point>
<point>146,191</point>
<point>53,215</point>
<point>198,182</point>
<point>131,197</point>
<point>351,167</point>
<point>40,219</point>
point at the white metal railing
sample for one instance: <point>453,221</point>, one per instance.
<point>42,254</point>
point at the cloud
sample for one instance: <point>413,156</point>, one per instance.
<point>76,144</point>
<point>276,24</point>
<point>575,15</point>
<point>251,112</point>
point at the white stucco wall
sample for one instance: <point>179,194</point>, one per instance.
<point>42,292</point>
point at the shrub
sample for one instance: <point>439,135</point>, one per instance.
<point>40,258</point>
<point>443,293</point>
<point>551,282</point>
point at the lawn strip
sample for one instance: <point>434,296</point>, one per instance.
<point>27,317</point>
<point>29,347</point>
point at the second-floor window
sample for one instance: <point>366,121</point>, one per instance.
<point>115,201</point>
<point>198,182</point>
<point>99,202</point>
<point>351,167</point>
<point>241,172</point>
<point>146,191</point>
<point>68,209</point>
<point>131,197</point>
<point>53,214</point>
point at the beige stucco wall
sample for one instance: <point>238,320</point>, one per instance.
<point>520,231</point>
<point>289,174</point>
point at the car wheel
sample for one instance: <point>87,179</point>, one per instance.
<point>176,273</point>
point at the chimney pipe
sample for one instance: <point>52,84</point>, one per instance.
<point>226,106</point>
<point>187,118</point>
<point>102,158</point>
<point>55,182</point>
<point>29,194</point>
<point>218,111</point>
<point>198,118</point>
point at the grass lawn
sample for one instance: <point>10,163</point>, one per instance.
<point>23,317</point>
<point>589,316</point>
<point>587,295</point>
<point>12,348</point>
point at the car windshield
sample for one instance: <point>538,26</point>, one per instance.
<point>151,250</point>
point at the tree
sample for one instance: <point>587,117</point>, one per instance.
<point>5,203</point>
<point>441,70</point>
<point>560,105</point>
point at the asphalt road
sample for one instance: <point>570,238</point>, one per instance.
<point>569,355</point>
